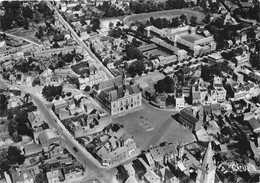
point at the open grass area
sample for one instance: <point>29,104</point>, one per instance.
<point>163,14</point>
<point>81,68</point>
<point>155,52</point>
<point>151,126</point>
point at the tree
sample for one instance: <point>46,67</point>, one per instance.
<point>111,25</point>
<point>151,20</point>
<point>51,91</point>
<point>15,156</point>
<point>10,115</point>
<point>136,67</point>
<point>41,178</point>
<point>40,34</point>
<point>3,102</point>
<point>23,129</point>
<point>165,23</point>
<point>4,162</point>
<point>36,81</point>
<point>95,24</point>
<point>26,24</point>
<point>116,33</point>
<point>193,21</point>
<point>158,23</point>
<point>55,45</point>
<point>183,18</point>
<point>61,64</point>
<point>136,43</point>
<point>175,22</point>
<point>170,100</point>
<point>132,52</point>
<point>87,88</point>
<point>207,19</point>
<point>169,83</point>
<point>7,20</point>
<point>27,12</point>
<point>21,117</point>
<point>160,86</point>
<point>255,60</point>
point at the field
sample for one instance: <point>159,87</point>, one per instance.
<point>155,52</point>
<point>169,14</point>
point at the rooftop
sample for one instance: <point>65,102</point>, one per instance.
<point>114,93</point>
<point>32,149</point>
<point>111,82</point>
<point>187,115</point>
<point>192,37</point>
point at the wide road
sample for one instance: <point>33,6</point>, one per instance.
<point>83,157</point>
<point>79,41</point>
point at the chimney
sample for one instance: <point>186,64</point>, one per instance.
<point>148,31</point>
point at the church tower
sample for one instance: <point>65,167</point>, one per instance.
<point>207,171</point>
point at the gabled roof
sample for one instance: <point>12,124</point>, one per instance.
<point>255,124</point>
<point>111,82</point>
<point>188,116</point>
<point>113,93</point>
<point>32,149</point>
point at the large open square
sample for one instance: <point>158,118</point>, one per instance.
<point>151,126</point>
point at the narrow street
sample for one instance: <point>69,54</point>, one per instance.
<point>79,41</point>
<point>92,169</point>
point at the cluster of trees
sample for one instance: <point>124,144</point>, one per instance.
<point>255,60</point>
<point>133,53</point>
<point>9,157</point>
<point>136,43</point>
<point>150,6</point>
<point>18,15</point>
<point>174,22</point>
<point>208,72</point>
<point>95,24</point>
<point>44,9</point>
<point>39,34</point>
<point>110,10</point>
<point>165,85</point>
<point>13,14</point>
<point>36,81</point>
<point>117,33</point>
<point>27,66</point>
<point>3,102</point>
<point>51,91</point>
<point>19,126</point>
<point>136,67</point>
<point>177,4</point>
<point>144,7</point>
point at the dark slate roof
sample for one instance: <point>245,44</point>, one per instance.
<point>254,123</point>
<point>114,93</point>
<point>188,116</point>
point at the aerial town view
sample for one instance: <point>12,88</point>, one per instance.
<point>130,91</point>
